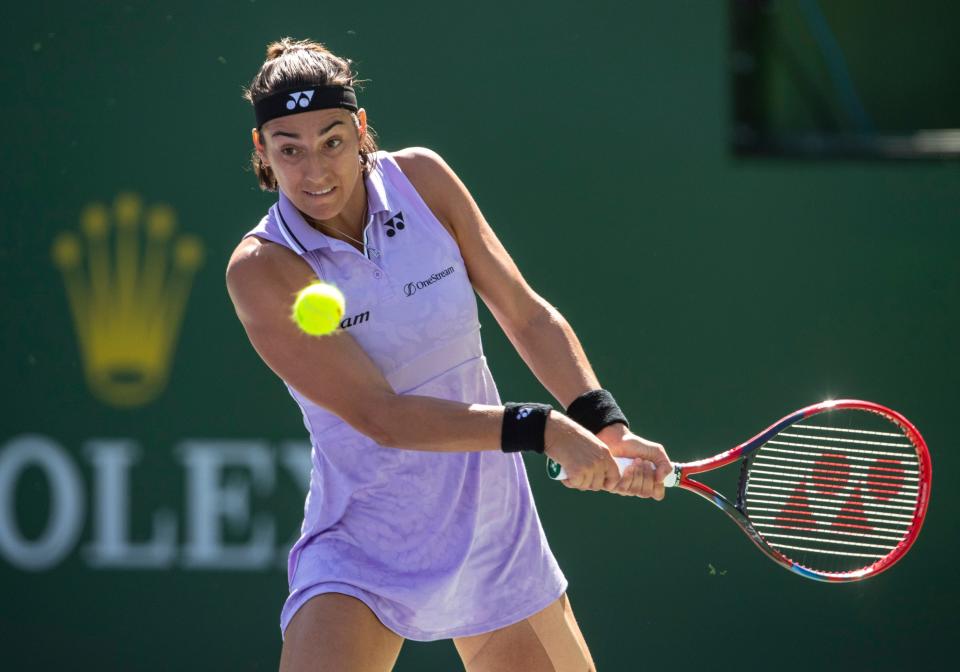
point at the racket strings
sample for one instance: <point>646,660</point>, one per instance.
<point>834,498</point>
<point>840,449</point>
<point>880,471</point>
<point>850,485</point>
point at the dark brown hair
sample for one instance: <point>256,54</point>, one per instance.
<point>302,63</point>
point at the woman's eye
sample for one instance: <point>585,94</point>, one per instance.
<point>288,151</point>
<point>333,143</point>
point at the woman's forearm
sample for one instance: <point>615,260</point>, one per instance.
<point>427,423</point>
<point>549,346</point>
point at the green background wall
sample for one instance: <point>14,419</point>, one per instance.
<point>713,295</point>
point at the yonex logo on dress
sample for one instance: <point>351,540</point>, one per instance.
<point>301,98</point>
<point>394,224</point>
<point>411,288</point>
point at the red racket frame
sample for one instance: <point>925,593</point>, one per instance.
<point>685,470</point>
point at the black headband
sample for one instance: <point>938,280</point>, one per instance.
<point>294,101</point>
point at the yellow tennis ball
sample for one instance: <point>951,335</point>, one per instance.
<point>318,308</point>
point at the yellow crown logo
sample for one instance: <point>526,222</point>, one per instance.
<point>127,293</point>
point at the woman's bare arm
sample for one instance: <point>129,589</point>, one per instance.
<point>541,335</point>
<point>334,372</point>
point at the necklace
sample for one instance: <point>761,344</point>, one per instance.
<point>363,244</point>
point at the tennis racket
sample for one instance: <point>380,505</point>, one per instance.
<point>834,492</point>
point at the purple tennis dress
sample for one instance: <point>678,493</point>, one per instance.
<point>438,545</point>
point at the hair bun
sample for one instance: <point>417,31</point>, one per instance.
<point>278,49</point>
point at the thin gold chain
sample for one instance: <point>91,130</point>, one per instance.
<point>362,244</point>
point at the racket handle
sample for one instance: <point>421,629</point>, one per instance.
<point>558,473</point>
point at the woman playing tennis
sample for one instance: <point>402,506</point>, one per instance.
<point>419,522</point>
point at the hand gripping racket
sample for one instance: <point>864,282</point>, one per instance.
<point>835,492</point>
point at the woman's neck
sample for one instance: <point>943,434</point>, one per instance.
<point>349,223</point>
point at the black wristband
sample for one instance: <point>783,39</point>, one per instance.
<point>523,427</point>
<point>595,410</point>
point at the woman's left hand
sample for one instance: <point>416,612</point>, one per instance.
<point>643,478</point>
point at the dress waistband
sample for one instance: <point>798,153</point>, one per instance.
<point>431,364</point>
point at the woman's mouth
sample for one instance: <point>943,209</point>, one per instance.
<point>319,193</point>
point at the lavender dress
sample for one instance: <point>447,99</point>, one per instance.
<point>438,545</point>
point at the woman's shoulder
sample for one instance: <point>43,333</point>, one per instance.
<point>433,179</point>
<point>259,263</point>
<point>256,252</point>
<point>419,161</point>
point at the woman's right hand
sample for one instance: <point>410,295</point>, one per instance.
<point>586,459</point>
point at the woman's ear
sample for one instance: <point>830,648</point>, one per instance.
<point>361,118</point>
<point>258,146</point>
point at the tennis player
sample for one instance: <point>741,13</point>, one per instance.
<point>419,522</point>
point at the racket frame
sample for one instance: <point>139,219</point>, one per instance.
<point>682,471</point>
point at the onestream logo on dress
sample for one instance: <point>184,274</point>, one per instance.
<point>411,288</point>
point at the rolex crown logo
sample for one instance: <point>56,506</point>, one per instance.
<point>128,277</point>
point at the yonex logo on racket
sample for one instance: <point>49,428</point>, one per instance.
<point>301,98</point>
<point>834,492</point>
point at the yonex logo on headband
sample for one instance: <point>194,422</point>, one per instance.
<point>301,98</point>
<point>282,103</point>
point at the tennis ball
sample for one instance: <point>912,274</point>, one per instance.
<point>318,308</point>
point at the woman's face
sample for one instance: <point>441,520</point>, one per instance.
<point>315,157</point>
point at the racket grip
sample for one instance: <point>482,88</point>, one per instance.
<point>558,473</point>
